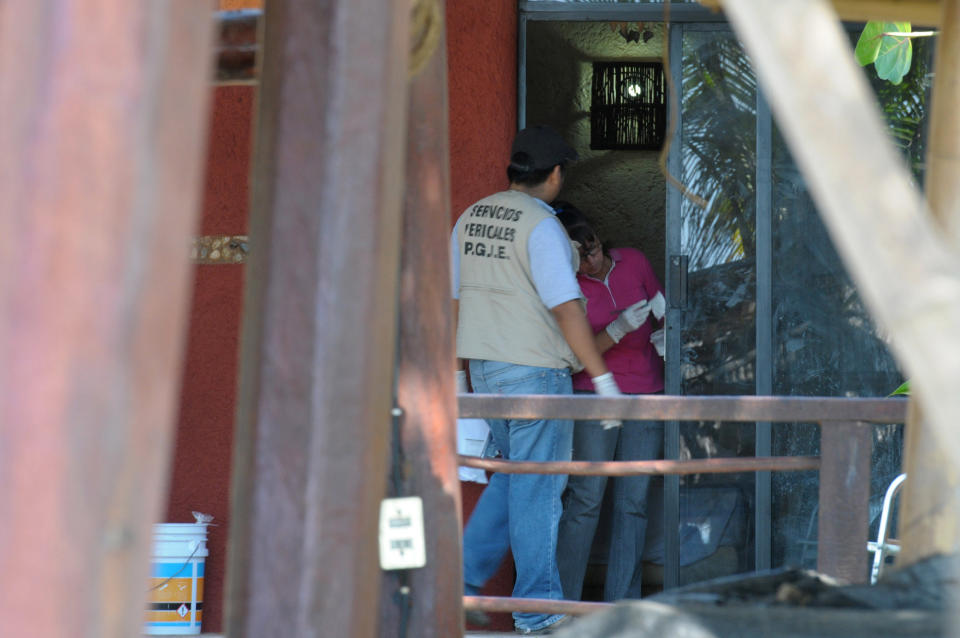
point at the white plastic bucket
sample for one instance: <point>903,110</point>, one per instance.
<point>175,603</point>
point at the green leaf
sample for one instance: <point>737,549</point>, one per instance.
<point>891,54</point>
<point>903,389</point>
<point>896,53</point>
<point>868,46</point>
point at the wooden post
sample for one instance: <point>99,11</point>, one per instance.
<point>425,389</point>
<point>101,146</point>
<point>943,138</point>
<point>317,363</point>
<point>843,518</point>
<point>930,513</point>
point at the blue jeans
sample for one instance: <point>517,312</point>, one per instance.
<point>520,512</point>
<point>635,441</point>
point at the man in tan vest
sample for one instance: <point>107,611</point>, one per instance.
<point>521,328</point>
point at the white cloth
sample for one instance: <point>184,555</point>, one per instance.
<point>472,436</point>
<point>658,306</point>
<point>658,339</point>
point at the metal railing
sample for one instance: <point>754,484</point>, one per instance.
<point>844,462</point>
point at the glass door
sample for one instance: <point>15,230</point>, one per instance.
<point>761,303</point>
<point>712,290</point>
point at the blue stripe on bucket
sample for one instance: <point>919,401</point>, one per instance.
<point>169,570</point>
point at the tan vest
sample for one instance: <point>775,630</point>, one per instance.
<point>501,316</point>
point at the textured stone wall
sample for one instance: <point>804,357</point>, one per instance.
<point>623,192</point>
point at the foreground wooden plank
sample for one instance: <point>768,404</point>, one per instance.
<point>685,408</point>
<point>930,514</point>
<point>536,605</point>
<point>425,389</point>
<point>919,12</point>
<point>313,426</point>
<point>104,107</point>
<point>726,465</point>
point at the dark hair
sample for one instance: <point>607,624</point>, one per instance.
<point>520,170</point>
<point>577,226</point>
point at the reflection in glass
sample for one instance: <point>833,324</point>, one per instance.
<point>824,342</point>
<point>718,159</point>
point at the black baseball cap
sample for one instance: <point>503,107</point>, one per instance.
<point>544,147</point>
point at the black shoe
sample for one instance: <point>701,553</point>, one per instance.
<point>549,629</point>
<point>476,618</point>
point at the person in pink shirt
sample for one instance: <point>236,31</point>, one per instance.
<point>620,286</point>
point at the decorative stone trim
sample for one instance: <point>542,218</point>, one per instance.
<point>219,249</point>
<point>238,49</point>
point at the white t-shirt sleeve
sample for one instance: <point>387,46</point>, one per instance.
<point>551,263</point>
<point>455,263</point>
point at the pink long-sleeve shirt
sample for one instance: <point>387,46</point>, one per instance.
<point>635,364</point>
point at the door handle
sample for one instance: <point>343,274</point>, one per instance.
<point>677,281</point>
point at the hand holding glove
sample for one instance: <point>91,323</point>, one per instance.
<point>629,320</point>
<point>606,386</point>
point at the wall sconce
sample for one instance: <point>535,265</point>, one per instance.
<point>628,106</point>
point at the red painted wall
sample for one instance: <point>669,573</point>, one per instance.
<point>482,76</point>
<point>481,49</point>
<point>200,478</point>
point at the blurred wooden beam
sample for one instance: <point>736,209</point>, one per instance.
<point>318,350</point>
<point>101,157</point>
<point>675,408</point>
<point>425,390</point>
<point>930,512</point>
<point>232,5</point>
<point>918,12</point>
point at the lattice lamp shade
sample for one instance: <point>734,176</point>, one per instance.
<point>628,107</point>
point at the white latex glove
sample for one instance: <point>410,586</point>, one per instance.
<point>462,382</point>
<point>629,320</point>
<point>606,386</point>
<point>658,339</point>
